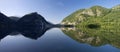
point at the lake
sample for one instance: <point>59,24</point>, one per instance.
<point>54,40</point>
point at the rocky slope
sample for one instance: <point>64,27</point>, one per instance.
<point>95,26</point>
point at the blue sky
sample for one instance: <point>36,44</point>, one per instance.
<point>52,10</point>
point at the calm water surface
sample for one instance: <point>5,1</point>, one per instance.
<point>54,40</point>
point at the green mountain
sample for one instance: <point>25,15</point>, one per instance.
<point>95,26</point>
<point>83,14</point>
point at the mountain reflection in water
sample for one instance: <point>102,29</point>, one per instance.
<point>31,25</point>
<point>96,38</point>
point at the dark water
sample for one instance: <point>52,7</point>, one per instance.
<point>54,40</point>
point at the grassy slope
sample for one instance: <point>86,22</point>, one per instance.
<point>108,32</point>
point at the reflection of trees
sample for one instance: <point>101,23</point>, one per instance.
<point>96,38</point>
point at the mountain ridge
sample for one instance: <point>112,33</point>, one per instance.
<point>94,27</point>
<point>94,11</point>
